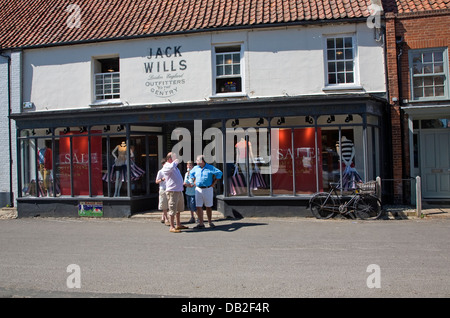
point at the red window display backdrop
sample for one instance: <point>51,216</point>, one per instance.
<point>80,160</point>
<point>304,155</point>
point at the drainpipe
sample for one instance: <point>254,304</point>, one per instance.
<point>11,195</point>
<point>400,43</point>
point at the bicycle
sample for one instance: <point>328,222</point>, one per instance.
<point>362,202</point>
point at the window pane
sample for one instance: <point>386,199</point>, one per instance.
<point>219,59</point>
<point>330,43</point>
<point>428,68</point>
<point>332,78</point>
<point>236,58</point>
<point>331,67</point>
<point>228,70</point>
<point>429,91</point>
<point>236,69</point>
<point>439,68</point>
<point>341,77</point>
<point>339,42</point>
<point>349,66</point>
<point>339,54</point>
<point>219,70</point>
<point>228,59</point>
<point>330,55</point>
<point>427,57</point>
<point>417,68</point>
<point>438,56</point>
<point>348,42</point>
<point>349,78</point>
<point>439,91</point>
<point>428,81</point>
<point>439,80</point>
<point>348,53</point>
<point>418,92</point>
<point>340,66</point>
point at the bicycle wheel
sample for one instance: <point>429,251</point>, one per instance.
<point>367,207</point>
<point>322,205</point>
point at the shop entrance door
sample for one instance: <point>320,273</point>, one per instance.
<point>435,164</point>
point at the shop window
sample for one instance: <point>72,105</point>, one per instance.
<point>228,69</point>
<point>340,57</point>
<point>83,161</point>
<point>429,73</point>
<point>107,79</point>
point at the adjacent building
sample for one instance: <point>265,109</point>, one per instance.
<point>417,42</point>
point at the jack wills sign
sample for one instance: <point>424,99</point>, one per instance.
<point>164,67</point>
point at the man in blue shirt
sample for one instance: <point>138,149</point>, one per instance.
<point>205,177</point>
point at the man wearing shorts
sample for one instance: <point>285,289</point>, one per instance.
<point>174,191</point>
<point>205,177</point>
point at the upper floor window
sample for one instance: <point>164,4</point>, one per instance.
<point>228,69</point>
<point>340,60</point>
<point>107,79</point>
<point>429,73</point>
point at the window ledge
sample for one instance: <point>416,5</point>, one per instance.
<point>228,95</point>
<point>338,88</point>
<point>109,102</point>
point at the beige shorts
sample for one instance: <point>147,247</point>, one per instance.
<point>176,202</point>
<point>163,203</point>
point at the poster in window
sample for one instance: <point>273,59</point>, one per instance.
<point>80,160</point>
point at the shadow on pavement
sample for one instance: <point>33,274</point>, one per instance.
<point>229,227</point>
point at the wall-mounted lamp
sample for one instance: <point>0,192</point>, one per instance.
<point>349,118</point>
<point>120,128</point>
<point>235,122</point>
<point>309,120</point>
<point>83,129</point>
<point>106,128</point>
<point>331,119</point>
<point>66,130</point>
<point>260,122</point>
<point>281,120</point>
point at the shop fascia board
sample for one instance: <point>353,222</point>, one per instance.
<point>255,107</point>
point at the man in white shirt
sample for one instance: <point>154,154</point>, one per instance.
<point>174,191</point>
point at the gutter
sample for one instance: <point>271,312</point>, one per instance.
<point>11,194</point>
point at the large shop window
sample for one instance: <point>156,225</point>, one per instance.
<point>299,156</point>
<point>77,161</point>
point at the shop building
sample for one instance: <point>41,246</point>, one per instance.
<point>417,41</point>
<point>272,90</point>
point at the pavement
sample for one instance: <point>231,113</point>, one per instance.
<point>428,211</point>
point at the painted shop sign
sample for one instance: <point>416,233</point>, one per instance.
<point>165,69</point>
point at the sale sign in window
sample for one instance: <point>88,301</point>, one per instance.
<point>79,158</point>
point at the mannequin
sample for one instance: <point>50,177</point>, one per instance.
<point>45,167</point>
<point>350,176</point>
<point>348,151</point>
<point>120,165</point>
<point>241,154</point>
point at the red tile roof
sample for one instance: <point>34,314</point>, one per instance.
<point>43,22</point>
<point>410,6</point>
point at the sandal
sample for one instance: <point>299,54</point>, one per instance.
<point>199,226</point>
